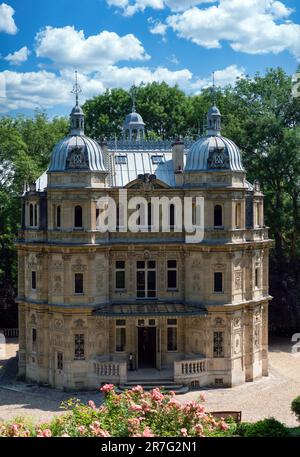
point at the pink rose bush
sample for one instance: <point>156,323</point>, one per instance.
<point>133,413</point>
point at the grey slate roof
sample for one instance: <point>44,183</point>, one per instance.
<point>60,153</point>
<point>197,157</point>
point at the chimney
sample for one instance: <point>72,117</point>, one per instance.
<point>178,160</point>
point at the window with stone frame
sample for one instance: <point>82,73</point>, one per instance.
<point>79,352</point>
<point>257,277</point>
<point>120,275</point>
<point>172,343</point>
<point>218,344</point>
<point>218,216</point>
<point>218,281</point>
<point>146,279</point>
<point>34,339</point>
<point>78,283</point>
<point>58,216</point>
<point>33,280</point>
<point>172,274</point>
<point>60,361</point>
<point>78,216</point>
<point>120,335</point>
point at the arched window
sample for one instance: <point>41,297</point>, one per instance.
<point>58,216</point>
<point>78,217</point>
<point>218,216</point>
<point>31,214</point>
<point>149,215</point>
<point>172,216</point>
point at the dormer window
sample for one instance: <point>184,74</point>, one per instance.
<point>120,160</point>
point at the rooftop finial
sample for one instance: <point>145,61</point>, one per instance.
<point>76,88</point>
<point>214,93</point>
<point>133,96</point>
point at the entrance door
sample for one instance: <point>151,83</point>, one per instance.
<point>147,347</point>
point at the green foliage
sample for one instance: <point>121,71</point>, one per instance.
<point>295,407</point>
<point>266,428</point>
<point>131,414</point>
<point>25,147</point>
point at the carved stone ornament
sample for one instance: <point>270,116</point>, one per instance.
<point>78,266</point>
<point>238,280</point>
<point>219,321</point>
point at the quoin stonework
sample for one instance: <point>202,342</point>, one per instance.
<point>109,306</point>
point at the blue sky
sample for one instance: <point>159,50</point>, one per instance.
<point>117,43</point>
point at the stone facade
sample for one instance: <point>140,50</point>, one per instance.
<point>94,306</point>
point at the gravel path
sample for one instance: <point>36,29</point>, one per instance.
<point>266,397</point>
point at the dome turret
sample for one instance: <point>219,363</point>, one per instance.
<point>134,126</point>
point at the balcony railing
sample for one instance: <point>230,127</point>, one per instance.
<point>110,371</point>
<point>185,370</point>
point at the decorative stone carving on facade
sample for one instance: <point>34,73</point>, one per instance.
<point>33,320</point>
<point>79,324</point>
<point>57,284</point>
<point>238,280</point>
<point>218,158</point>
<point>58,324</point>
<point>57,265</point>
<point>237,344</point>
<point>237,322</point>
<point>219,322</point>
<point>257,337</point>
<point>78,266</point>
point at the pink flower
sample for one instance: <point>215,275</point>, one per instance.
<point>44,433</point>
<point>92,404</point>
<point>137,389</point>
<point>81,429</point>
<point>223,425</point>
<point>174,403</point>
<point>107,388</point>
<point>199,429</point>
<point>184,432</point>
<point>147,432</point>
<point>134,407</point>
<point>134,422</point>
<point>156,395</point>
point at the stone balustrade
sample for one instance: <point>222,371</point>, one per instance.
<point>190,370</point>
<point>110,371</point>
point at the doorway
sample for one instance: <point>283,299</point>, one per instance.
<point>147,347</point>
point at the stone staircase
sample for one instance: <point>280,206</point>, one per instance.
<point>163,384</point>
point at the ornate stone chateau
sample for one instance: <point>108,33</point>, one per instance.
<point>97,307</point>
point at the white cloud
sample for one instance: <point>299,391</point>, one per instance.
<point>43,89</point>
<point>131,7</point>
<point>46,89</point>
<point>124,77</point>
<point>159,29</point>
<point>68,47</point>
<point>223,77</point>
<point>252,26</point>
<point>18,57</point>
<point>7,23</point>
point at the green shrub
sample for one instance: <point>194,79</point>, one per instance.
<point>295,407</point>
<point>263,429</point>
